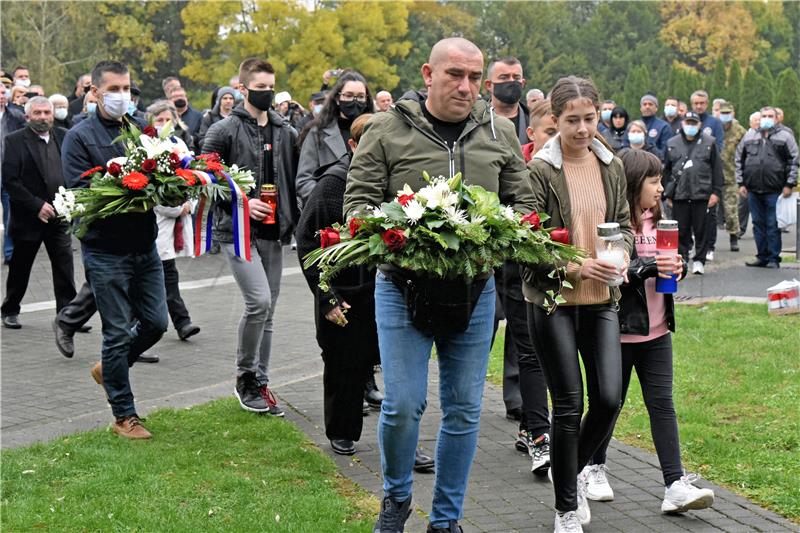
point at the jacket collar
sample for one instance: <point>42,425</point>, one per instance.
<point>552,155</point>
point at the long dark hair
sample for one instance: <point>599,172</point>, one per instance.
<point>330,109</point>
<point>639,165</point>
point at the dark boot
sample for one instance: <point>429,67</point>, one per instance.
<point>734,243</point>
<point>372,395</point>
<point>393,516</point>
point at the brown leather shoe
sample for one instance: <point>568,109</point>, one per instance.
<point>97,373</point>
<point>131,427</point>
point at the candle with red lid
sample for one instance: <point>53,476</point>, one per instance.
<point>667,244</point>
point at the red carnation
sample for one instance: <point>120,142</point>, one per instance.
<point>90,172</point>
<point>395,239</point>
<point>187,176</point>
<point>213,156</point>
<point>135,181</point>
<point>149,165</point>
<point>405,198</point>
<point>328,237</point>
<point>150,131</point>
<point>213,166</point>
<point>560,235</point>
<point>174,160</point>
<point>355,225</point>
<point>532,218</point>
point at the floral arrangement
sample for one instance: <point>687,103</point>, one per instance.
<point>446,230</point>
<point>157,169</point>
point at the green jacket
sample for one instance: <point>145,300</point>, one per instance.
<point>551,196</point>
<point>733,135</point>
<point>399,144</point>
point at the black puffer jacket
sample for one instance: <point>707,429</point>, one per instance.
<point>692,169</point>
<point>238,140</point>
<point>634,318</point>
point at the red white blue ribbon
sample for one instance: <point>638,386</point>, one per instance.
<point>205,216</point>
<point>240,211</point>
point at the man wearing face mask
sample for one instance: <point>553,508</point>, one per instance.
<point>658,131</point>
<point>606,108</point>
<point>693,178</point>
<point>190,116</point>
<point>710,125</point>
<point>671,116</point>
<point>21,76</point>
<point>10,121</point>
<point>256,137</point>
<point>32,175</point>
<point>505,82</point>
<point>733,136</point>
<point>766,166</point>
<point>124,272</point>
<point>82,86</point>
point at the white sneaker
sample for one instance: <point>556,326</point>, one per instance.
<point>710,255</point>
<point>567,523</point>
<point>597,488</point>
<point>698,268</point>
<point>682,496</point>
<point>540,454</point>
<point>583,512</point>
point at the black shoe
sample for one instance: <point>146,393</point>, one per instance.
<point>514,414</point>
<point>249,395</point>
<point>756,263</point>
<point>343,446</point>
<point>11,322</point>
<point>393,516</point>
<point>452,527</point>
<point>772,264</point>
<point>423,463</point>
<point>734,243</point>
<point>147,358</point>
<point>64,341</point>
<point>187,331</point>
<point>84,329</point>
<point>372,395</point>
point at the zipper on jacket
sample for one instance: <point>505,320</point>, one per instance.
<point>450,152</point>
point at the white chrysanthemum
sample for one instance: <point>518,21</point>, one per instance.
<point>508,213</point>
<point>413,210</point>
<point>376,212</point>
<point>477,219</point>
<point>456,216</point>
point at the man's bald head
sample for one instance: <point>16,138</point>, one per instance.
<point>441,50</point>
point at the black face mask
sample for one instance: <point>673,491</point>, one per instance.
<point>87,88</point>
<point>180,103</point>
<point>261,100</point>
<point>352,109</point>
<point>508,92</point>
<point>39,126</point>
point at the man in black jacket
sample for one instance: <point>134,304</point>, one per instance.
<point>32,176</point>
<point>694,178</point>
<point>119,253</point>
<point>10,121</point>
<point>256,137</point>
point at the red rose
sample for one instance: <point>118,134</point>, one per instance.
<point>560,235</point>
<point>187,176</point>
<point>115,169</point>
<point>328,237</point>
<point>213,166</point>
<point>355,225</point>
<point>90,172</point>
<point>532,218</point>
<point>174,160</point>
<point>150,131</point>
<point>149,165</point>
<point>395,239</point>
<point>405,198</point>
<point>213,156</point>
<point>135,181</point>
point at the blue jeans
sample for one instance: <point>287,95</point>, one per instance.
<point>765,226</point>
<point>462,357</point>
<point>131,299</point>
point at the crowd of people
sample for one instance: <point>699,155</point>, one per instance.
<point>583,161</point>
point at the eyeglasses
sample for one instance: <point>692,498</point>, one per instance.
<point>349,97</point>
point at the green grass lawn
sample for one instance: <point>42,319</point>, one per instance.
<point>213,467</point>
<point>737,395</point>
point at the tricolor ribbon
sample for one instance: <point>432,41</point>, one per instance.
<point>205,216</point>
<point>240,211</point>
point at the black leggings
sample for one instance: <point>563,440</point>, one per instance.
<point>653,362</point>
<point>594,331</point>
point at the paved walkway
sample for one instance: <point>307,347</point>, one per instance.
<point>45,395</point>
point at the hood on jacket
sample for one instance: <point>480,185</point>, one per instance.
<point>410,106</point>
<point>337,169</point>
<point>552,155</point>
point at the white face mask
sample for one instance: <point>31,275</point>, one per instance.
<point>60,113</point>
<point>23,83</point>
<point>116,104</point>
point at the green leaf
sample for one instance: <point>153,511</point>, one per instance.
<point>451,239</point>
<point>376,245</point>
